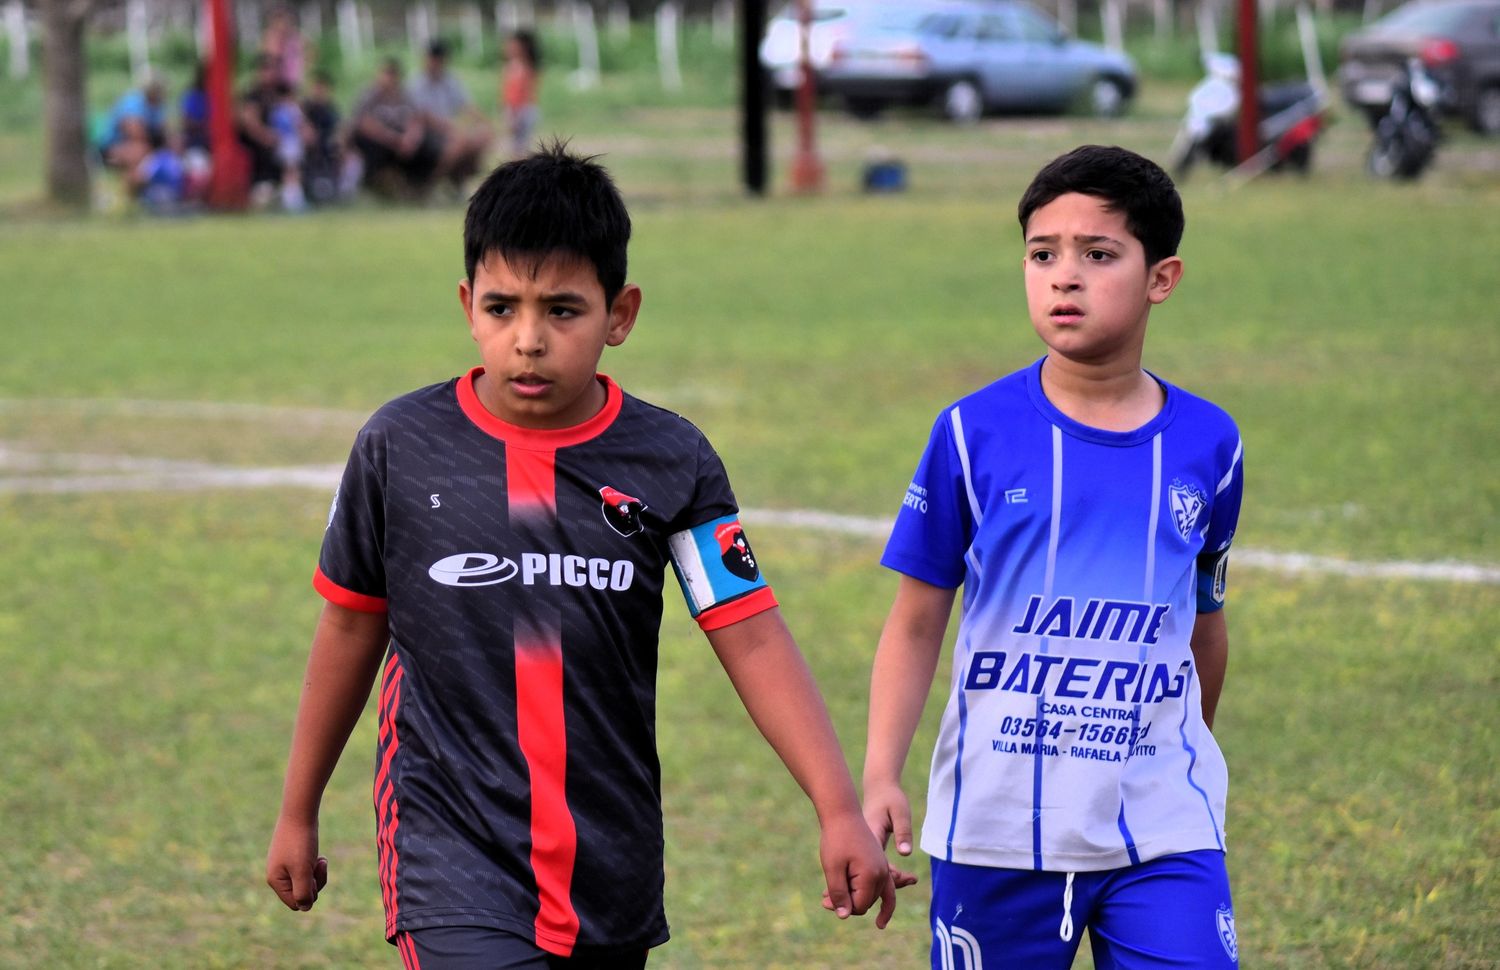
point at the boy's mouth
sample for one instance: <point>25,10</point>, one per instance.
<point>1066,313</point>
<point>530,385</point>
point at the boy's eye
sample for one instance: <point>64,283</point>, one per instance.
<point>1041,256</point>
<point>1098,255</point>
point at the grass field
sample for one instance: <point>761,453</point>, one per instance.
<point>153,637</point>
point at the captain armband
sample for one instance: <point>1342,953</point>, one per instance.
<point>720,577</point>
<point>1213,572</point>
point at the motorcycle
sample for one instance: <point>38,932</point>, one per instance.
<point>1406,132</point>
<point>1292,114</point>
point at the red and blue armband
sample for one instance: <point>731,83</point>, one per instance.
<point>720,577</point>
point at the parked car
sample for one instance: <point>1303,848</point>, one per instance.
<point>1458,43</point>
<point>781,46</point>
<point>970,57</point>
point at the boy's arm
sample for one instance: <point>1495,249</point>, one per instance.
<point>346,653</point>
<point>773,681</point>
<point>1210,645</point>
<point>905,662</point>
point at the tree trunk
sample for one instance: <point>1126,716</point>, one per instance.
<point>65,103</point>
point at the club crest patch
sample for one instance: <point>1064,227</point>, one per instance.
<point>1186,502</point>
<point>734,549</point>
<point>1224,920</point>
<point>621,511</point>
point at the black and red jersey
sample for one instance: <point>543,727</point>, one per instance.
<point>517,783</point>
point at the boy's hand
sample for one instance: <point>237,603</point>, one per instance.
<point>856,871</point>
<point>888,813</point>
<point>294,870</point>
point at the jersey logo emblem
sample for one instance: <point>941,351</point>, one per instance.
<point>1015,496</point>
<point>622,512</point>
<point>734,548</point>
<point>1224,920</point>
<point>1187,502</point>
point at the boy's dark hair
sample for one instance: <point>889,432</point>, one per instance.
<point>548,203</point>
<point>530,48</point>
<point>438,49</point>
<point>1127,183</point>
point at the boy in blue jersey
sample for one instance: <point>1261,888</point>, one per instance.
<point>1086,507</point>
<point>500,541</point>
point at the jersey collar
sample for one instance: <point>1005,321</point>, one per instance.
<point>538,439</point>
<point>1117,439</point>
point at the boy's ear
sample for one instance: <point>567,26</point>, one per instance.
<point>1163,278</point>
<point>465,295</point>
<point>622,313</point>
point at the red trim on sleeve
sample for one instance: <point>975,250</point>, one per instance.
<point>347,598</point>
<point>736,610</point>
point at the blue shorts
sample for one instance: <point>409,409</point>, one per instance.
<point>1173,911</point>
<point>486,948</point>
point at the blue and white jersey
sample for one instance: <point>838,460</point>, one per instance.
<point>1073,738</point>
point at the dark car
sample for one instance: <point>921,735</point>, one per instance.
<point>970,58</point>
<point>1457,41</point>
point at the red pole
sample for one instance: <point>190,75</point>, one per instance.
<point>229,181</point>
<point>807,168</point>
<point>1248,140</point>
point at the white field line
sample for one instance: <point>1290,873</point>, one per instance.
<point>50,473</point>
<point>190,410</point>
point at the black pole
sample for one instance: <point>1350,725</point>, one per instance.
<point>753,95</point>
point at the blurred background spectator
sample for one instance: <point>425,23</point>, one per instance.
<point>138,117</point>
<point>518,84</point>
<point>400,155</point>
<point>461,132</point>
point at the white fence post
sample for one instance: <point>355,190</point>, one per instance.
<point>587,35</point>
<point>18,40</point>
<point>667,19</point>
<point>1113,18</point>
<point>138,39</point>
<point>1208,28</point>
<point>350,47</point>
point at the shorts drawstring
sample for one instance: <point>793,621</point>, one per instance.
<point>1066,930</point>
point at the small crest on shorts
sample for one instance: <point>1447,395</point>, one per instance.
<point>1187,503</point>
<point>1224,920</point>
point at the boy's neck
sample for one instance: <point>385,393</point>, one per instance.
<point>1119,396</point>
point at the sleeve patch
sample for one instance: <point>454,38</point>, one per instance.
<point>714,563</point>
<point>1213,580</point>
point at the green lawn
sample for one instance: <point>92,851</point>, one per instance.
<point>153,641</point>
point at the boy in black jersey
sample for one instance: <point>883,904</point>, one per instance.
<point>501,540</point>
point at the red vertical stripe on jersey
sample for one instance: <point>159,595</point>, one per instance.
<point>531,482</point>
<point>387,820</point>
<point>543,734</point>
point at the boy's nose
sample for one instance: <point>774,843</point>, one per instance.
<point>530,338</point>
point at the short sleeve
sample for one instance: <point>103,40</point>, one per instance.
<point>719,573</point>
<point>935,525</point>
<point>351,565</point>
<point>1213,562</point>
